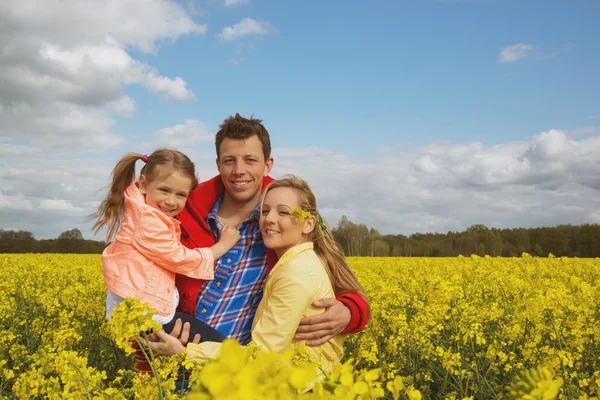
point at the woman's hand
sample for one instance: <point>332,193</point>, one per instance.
<point>165,344</point>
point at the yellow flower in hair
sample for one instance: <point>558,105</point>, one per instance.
<point>301,215</point>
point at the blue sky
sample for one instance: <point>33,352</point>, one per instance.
<point>409,71</point>
<point>411,106</point>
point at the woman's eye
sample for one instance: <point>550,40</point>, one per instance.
<point>265,212</point>
<point>284,213</point>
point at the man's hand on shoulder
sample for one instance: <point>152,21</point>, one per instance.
<point>320,328</point>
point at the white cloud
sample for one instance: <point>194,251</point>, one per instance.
<point>511,54</point>
<point>124,106</point>
<point>137,23</point>
<point>57,205</point>
<point>189,134</point>
<point>65,64</point>
<point>245,27</point>
<point>439,187</point>
<point>15,203</point>
<point>231,3</point>
<point>173,89</point>
<point>442,186</point>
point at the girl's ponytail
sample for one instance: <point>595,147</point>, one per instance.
<point>110,210</point>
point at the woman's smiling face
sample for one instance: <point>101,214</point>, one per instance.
<point>280,229</point>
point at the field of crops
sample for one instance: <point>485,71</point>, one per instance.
<point>454,328</point>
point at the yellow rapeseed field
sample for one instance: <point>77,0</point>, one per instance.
<point>440,328</point>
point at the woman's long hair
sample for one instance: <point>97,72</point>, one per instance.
<point>110,211</point>
<point>341,276</point>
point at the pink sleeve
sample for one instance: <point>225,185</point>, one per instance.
<point>156,242</point>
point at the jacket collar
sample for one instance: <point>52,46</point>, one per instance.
<point>137,202</point>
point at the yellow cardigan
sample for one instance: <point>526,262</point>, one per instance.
<point>295,282</point>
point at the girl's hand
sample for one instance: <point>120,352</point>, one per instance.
<point>229,236</point>
<point>227,239</point>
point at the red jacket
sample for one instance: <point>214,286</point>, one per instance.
<point>195,232</point>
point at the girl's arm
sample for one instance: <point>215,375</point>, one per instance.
<point>162,247</point>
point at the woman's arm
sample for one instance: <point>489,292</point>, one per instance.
<point>292,292</point>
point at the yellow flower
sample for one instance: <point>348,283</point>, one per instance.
<point>301,214</point>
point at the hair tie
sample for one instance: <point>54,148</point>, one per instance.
<point>145,158</point>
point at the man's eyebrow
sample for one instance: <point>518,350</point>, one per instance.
<point>225,155</point>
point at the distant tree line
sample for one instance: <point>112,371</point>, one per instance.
<point>360,240</point>
<point>564,240</point>
<point>67,242</point>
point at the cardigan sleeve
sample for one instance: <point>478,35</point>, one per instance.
<point>157,243</point>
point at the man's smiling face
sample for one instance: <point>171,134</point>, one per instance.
<point>242,166</point>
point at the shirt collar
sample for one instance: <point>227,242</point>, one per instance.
<point>213,214</point>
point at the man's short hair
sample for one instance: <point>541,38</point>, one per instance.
<point>238,128</point>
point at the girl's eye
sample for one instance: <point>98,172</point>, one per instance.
<point>265,212</point>
<point>164,190</point>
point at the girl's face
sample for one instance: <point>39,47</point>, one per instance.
<point>167,193</point>
<point>280,229</point>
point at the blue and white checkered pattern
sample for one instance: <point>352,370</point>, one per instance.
<point>228,303</point>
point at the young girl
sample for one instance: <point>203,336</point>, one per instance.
<point>146,252</point>
<point>310,266</point>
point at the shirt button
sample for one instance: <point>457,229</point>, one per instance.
<point>218,284</point>
<point>229,260</point>
<point>204,311</point>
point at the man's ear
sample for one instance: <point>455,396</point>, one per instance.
<point>309,225</point>
<point>268,166</point>
<point>218,165</point>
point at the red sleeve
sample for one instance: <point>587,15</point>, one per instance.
<point>359,311</point>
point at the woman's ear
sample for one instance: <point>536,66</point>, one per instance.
<point>309,225</point>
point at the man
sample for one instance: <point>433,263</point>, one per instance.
<point>228,303</point>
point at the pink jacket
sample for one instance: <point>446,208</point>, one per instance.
<point>146,254</point>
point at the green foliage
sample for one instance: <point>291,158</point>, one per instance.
<point>564,240</point>
<point>68,242</point>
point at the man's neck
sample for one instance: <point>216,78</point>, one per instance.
<point>235,212</point>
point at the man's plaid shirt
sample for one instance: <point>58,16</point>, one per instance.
<point>228,303</point>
